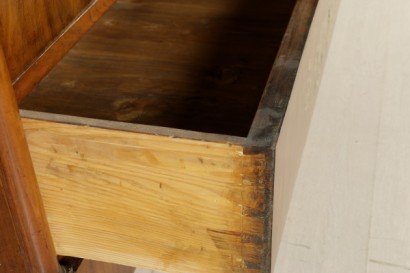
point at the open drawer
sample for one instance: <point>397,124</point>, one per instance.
<point>153,136</point>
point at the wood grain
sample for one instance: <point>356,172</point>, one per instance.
<point>267,123</point>
<point>28,27</point>
<point>27,80</point>
<point>132,127</point>
<point>196,65</point>
<point>26,243</point>
<point>172,205</point>
<point>12,259</point>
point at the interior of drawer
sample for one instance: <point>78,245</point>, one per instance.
<point>197,65</point>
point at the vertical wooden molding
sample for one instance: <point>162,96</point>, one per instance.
<point>25,231</point>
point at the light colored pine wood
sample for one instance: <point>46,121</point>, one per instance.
<point>146,271</point>
<point>168,204</point>
<point>350,204</point>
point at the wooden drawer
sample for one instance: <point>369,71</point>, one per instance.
<point>153,136</point>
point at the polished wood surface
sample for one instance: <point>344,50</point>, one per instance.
<point>25,240</point>
<point>11,258</point>
<point>28,27</point>
<point>25,83</point>
<point>168,204</point>
<point>198,65</point>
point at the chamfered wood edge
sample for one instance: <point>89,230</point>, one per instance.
<point>19,187</point>
<point>131,127</point>
<point>28,29</point>
<point>29,78</point>
<point>267,123</point>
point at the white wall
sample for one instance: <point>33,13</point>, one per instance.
<point>349,209</point>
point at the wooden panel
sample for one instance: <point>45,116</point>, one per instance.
<point>28,27</point>
<point>146,271</point>
<point>198,65</point>
<point>291,143</point>
<point>26,244</point>
<point>271,111</point>
<point>25,83</point>
<point>168,204</point>
<point>350,205</point>
<point>132,127</point>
